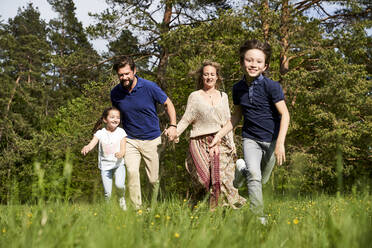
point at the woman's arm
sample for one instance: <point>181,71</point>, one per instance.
<point>284,123</point>
<point>90,146</point>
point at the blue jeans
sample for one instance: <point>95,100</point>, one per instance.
<point>259,158</point>
<point>107,175</point>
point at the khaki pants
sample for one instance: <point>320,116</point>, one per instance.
<point>149,151</point>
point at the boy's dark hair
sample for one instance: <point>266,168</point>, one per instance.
<point>104,115</point>
<point>122,62</point>
<point>255,44</point>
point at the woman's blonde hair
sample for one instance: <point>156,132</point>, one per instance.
<point>199,74</point>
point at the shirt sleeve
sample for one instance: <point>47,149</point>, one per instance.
<point>99,134</point>
<point>235,95</point>
<point>122,133</point>
<point>276,92</point>
<point>158,94</point>
<point>188,117</point>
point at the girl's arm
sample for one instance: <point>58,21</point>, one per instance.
<point>284,123</point>
<point>123,143</point>
<point>90,146</point>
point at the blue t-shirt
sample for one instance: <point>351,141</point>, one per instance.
<point>138,108</point>
<point>257,101</point>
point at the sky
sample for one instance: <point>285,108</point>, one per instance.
<point>9,8</point>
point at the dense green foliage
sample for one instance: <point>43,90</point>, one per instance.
<point>55,85</point>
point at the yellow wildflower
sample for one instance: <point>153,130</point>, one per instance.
<point>176,235</point>
<point>295,221</point>
<point>4,230</point>
<point>157,216</point>
<point>168,217</point>
<point>139,211</point>
<point>95,214</point>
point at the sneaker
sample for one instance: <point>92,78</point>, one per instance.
<point>239,173</point>
<point>262,220</point>
<point>122,203</point>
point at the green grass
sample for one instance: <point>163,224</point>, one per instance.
<point>307,222</point>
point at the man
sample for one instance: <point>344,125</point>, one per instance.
<point>136,98</point>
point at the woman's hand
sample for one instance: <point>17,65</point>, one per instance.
<point>171,133</point>
<point>215,150</point>
<point>216,141</point>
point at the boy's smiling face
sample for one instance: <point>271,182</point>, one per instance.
<point>254,63</point>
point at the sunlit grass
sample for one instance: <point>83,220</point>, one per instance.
<point>307,222</point>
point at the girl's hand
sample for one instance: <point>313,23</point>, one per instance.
<point>280,153</point>
<point>85,150</point>
<point>119,154</point>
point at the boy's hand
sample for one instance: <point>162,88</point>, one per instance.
<point>280,153</point>
<point>119,154</point>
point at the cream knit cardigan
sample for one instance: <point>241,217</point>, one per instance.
<point>205,118</point>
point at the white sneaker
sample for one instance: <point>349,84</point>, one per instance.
<point>262,220</point>
<point>239,173</point>
<point>122,203</point>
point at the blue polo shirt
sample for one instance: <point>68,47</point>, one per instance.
<point>257,101</point>
<point>138,108</point>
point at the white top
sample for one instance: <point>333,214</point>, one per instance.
<point>109,144</point>
<point>205,118</point>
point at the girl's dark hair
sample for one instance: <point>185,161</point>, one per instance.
<point>199,74</point>
<point>255,44</point>
<point>104,115</point>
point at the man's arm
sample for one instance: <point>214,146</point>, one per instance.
<point>230,124</point>
<point>284,123</point>
<point>171,111</point>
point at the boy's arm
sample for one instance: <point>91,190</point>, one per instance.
<point>90,146</point>
<point>123,143</point>
<point>284,123</point>
<point>230,124</point>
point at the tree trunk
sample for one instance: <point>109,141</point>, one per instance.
<point>5,117</point>
<point>284,62</point>
<point>265,20</point>
<point>164,54</point>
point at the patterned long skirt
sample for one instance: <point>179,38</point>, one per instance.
<point>214,174</point>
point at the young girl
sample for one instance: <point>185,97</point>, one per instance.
<point>260,101</point>
<point>111,151</point>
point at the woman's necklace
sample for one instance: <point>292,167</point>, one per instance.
<point>210,95</point>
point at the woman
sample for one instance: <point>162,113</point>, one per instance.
<point>207,111</point>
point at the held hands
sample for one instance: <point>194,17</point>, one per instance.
<point>171,133</point>
<point>216,141</point>
<point>119,155</point>
<point>280,153</point>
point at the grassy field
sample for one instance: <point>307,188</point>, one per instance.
<point>343,221</point>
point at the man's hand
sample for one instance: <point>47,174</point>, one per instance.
<point>119,155</point>
<point>171,133</point>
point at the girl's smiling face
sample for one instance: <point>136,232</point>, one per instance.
<point>254,63</point>
<point>112,120</point>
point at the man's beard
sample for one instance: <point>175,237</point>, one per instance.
<point>129,85</point>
